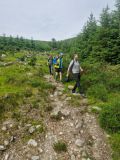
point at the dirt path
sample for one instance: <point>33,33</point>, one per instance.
<point>77,127</point>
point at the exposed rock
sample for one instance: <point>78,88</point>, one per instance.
<point>2,148</point>
<point>61,133</point>
<point>4,128</point>
<point>60,93</point>
<point>51,96</point>
<point>56,112</point>
<point>35,158</point>
<point>28,125</point>
<point>68,98</point>
<point>65,112</point>
<point>72,157</point>
<point>38,126</point>
<point>96,109</point>
<point>6,143</point>
<point>32,142</point>
<point>78,126</point>
<point>40,150</point>
<point>56,93</point>
<point>31,129</point>
<point>12,139</point>
<point>79,143</point>
<point>70,87</point>
<point>6,157</point>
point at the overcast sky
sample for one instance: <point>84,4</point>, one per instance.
<point>47,19</point>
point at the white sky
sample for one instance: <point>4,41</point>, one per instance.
<point>47,19</point>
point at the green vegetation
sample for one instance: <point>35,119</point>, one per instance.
<point>60,146</point>
<point>98,46</point>
<point>110,117</point>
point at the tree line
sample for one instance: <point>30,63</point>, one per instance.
<point>12,44</point>
<point>99,40</point>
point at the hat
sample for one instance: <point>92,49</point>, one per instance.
<point>61,54</point>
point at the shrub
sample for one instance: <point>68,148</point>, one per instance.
<point>110,117</point>
<point>115,143</point>
<point>98,91</point>
<point>60,146</point>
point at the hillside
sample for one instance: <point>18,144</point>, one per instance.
<point>40,119</point>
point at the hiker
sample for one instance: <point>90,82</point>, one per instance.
<point>76,70</point>
<point>55,58</point>
<point>59,67</point>
<point>50,64</point>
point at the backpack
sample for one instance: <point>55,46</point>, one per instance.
<point>70,70</point>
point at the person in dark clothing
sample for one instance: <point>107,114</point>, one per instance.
<point>50,64</point>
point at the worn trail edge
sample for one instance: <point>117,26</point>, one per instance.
<point>77,127</point>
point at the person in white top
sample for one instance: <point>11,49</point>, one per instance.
<point>76,70</point>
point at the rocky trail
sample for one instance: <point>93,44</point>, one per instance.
<point>77,127</point>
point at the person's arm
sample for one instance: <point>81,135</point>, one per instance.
<point>81,69</point>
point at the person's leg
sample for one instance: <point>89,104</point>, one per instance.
<point>75,86</point>
<point>56,75</point>
<point>50,69</point>
<point>78,83</point>
<point>79,86</point>
<point>60,75</point>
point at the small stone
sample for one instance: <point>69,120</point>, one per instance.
<point>40,150</point>
<point>62,118</point>
<point>68,98</point>
<point>12,139</point>
<point>6,143</point>
<point>83,159</point>
<point>2,148</point>
<point>28,125</point>
<point>61,133</point>
<point>72,157</point>
<point>81,131</point>
<point>4,128</point>
<point>108,136</point>
<point>96,109</point>
<point>35,158</point>
<point>70,87</point>
<point>32,142</point>
<point>6,157</point>
<point>31,129</point>
<point>71,124</point>
<point>79,125</point>
<point>56,93</point>
<point>65,112</point>
<point>51,96</point>
<point>84,154</point>
<point>60,93</point>
<point>11,125</point>
<point>79,143</point>
<point>38,126</point>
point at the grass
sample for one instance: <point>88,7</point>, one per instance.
<point>60,146</point>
